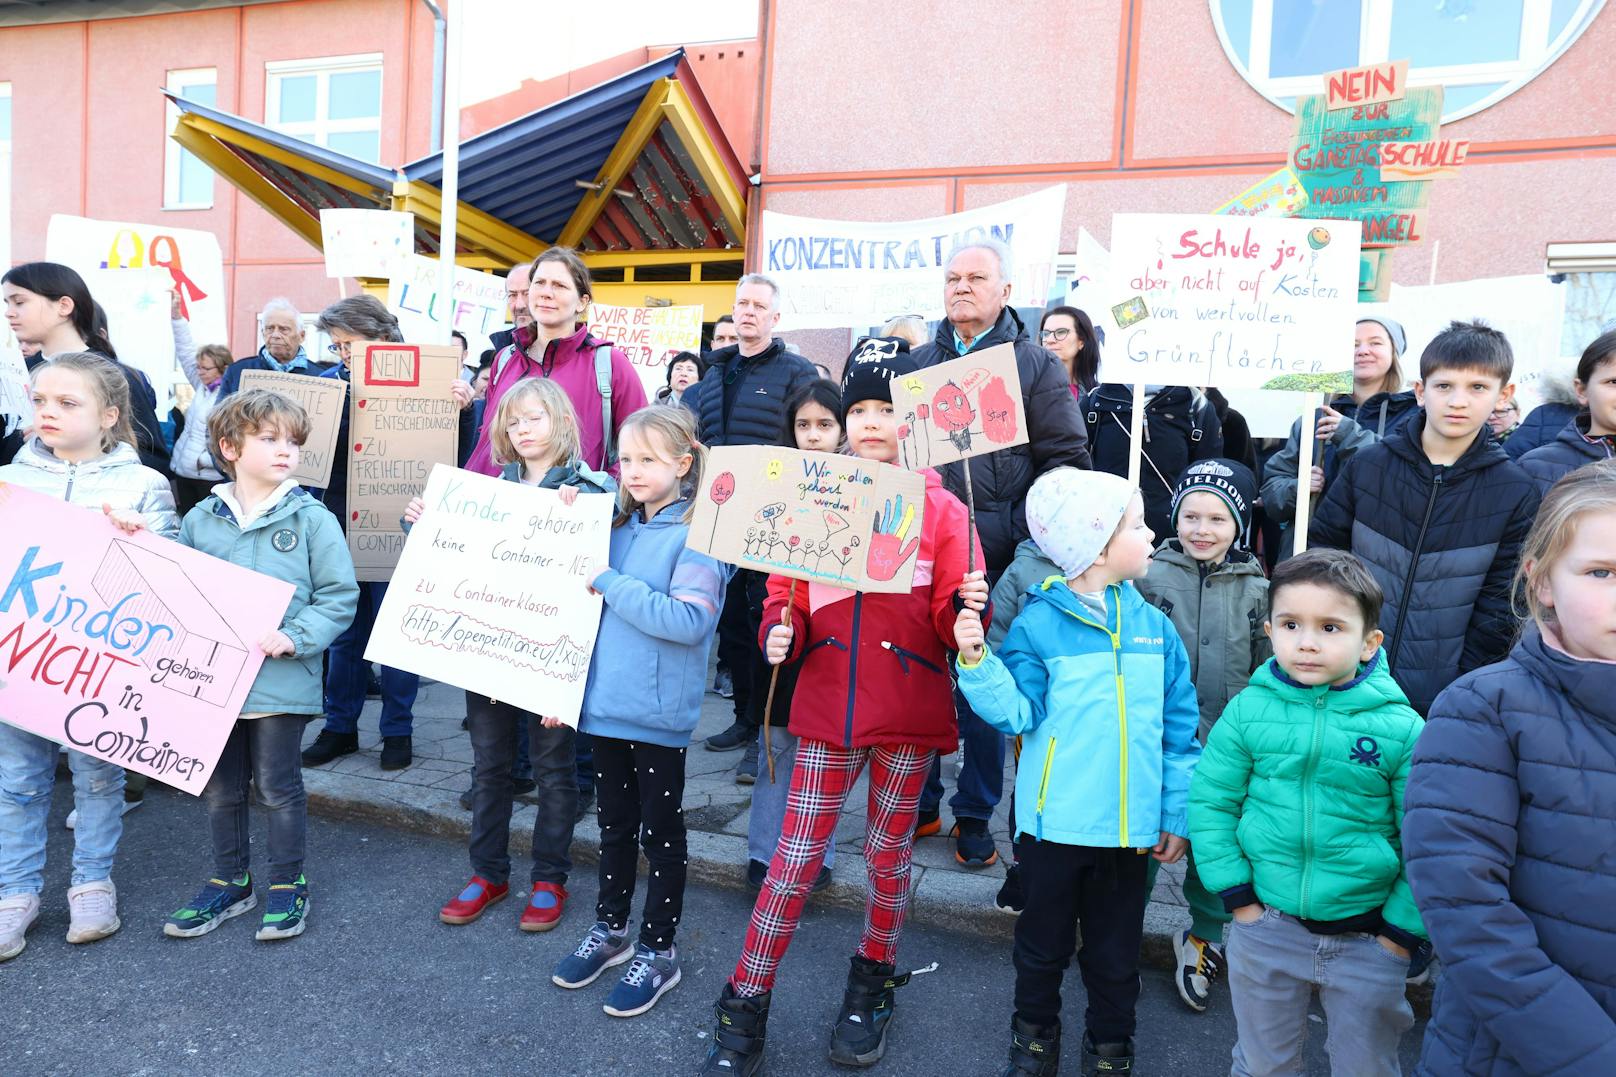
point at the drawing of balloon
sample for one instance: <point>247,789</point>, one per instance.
<point>722,489</point>
<point>769,513</point>
<point>998,413</point>
<point>1319,238</point>
<point>834,522</point>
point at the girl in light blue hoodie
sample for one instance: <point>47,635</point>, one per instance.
<point>642,701</point>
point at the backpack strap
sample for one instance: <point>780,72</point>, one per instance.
<point>603,382</point>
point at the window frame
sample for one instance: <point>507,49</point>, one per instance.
<point>320,129</point>
<point>176,81</point>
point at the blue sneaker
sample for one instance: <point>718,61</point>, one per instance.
<point>599,951</point>
<point>1419,964</point>
<point>650,975</point>
<point>288,911</point>
<point>218,900</point>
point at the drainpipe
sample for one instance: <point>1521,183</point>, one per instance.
<point>439,28</point>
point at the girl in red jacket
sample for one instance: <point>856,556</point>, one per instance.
<point>873,689</point>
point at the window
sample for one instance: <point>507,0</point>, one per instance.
<point>187,182</point>
<point>334,102</point>
<point>1479,51</point>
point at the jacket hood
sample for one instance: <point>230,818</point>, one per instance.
<point>670,516</point>
<point>1058,594</point>
<point>1484,452</point>
<point>1007,330</point>
<point>1575,434</point>
<point>561,475</point>
<point>1235,562</point>
<point>291,503</point>
<point>1556,388</point>
<point>37,455</point>
<point>1373,686</point>
<point>1029,549</point>
<point>1590,685</point>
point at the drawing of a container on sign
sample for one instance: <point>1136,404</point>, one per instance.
<point>200,655</point>
<point>961,408</point>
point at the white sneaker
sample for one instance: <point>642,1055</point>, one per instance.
<point>93,911</point>
<point>73,816</point>
<point>17,915</point>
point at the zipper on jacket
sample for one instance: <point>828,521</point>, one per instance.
<point>905,656</point>
<point>1408,580</point>
<point>72,473</point>
<point>1043,787</point>
<point>1122,706</point>
<point>852,667</point>
<point>1307,806</point>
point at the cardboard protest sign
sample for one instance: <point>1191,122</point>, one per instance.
<point>323,399</point>
<point>403,419</point>
<point>491,593</point>
<point>130,648</point>
<point>649,336</point>
<point>477,308</point>
<point>1261,302</point>
<point>365,242</point>
<point>964,407</point>
<point>820,517</point>
<point>1278,194</point>
<point>1369,85</point>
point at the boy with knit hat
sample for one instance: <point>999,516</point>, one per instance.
<point>1214,591</point>
<point>1097,683</point>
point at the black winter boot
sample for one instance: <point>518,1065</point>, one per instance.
<point>738,1035</point>
<point>1034,1049</point>
<point>1107,1059</point>
<point>860,1035</point>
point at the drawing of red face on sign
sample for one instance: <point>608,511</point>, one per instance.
<point>953,414</point>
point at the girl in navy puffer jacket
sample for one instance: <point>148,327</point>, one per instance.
<point>1508,809</point>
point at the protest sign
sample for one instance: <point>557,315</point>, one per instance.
<point>403,420</point>
<point>365,242</point>
<point>1279,194</point>
<point>130,648</point>
<point>835,274</point>
<point>964,407</point>
<point>813,516</point>
<point>478,308</point>
<point>1260,302</point>
<point>1369,85</point>
<point>16,393</point>
<point>649,336</point>
<point>491,593</point>
<point>138,304</point>
<point>323,399</point>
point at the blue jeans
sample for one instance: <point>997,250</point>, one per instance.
<point>347,671</point>
<point>265,751</point>
<point>769,798</point>
<point>981,778</point>
<point>27,775</point>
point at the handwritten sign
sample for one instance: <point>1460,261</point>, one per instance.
<point>477,308</point>
<point>130,648</point>
<point>1369,85</point>
<point>1404,161</point>
<point>491,593</point>
<point>365,242</point>
<point>323,399</point>
<point>1279,194</point>
<point>1264,302</point>
<point>403,420</point>
<point>814,516</point>
<point>649,336</point>
<point>964,407</point>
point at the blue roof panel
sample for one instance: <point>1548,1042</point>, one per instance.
<point>339,162</point>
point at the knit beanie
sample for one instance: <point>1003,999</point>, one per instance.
<point>1229,480</point>
<point>1393,330</point>
<point>1072,515</point>
<point>871,368</point>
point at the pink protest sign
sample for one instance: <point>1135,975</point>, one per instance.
<point>130,648</point>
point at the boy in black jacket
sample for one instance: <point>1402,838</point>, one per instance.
<point>1438,512</point>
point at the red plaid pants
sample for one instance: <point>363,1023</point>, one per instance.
<point>823,777</point>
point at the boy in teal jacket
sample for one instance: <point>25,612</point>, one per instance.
<point>1296,812</point>
<point>1096,682</point>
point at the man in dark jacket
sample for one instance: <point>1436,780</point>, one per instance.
<point>1181,428</point>
<point>282,351</point>
<point>976,296</point>
<point>742,401</point>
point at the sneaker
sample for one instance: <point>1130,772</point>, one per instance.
<point>1010,899</point>
<point>599,951</point>
<point>724,684</point>
<point>746,771</point>
<point>650,975</point>
<point>396,753</point>
<point>1200,965</point>
<point>756,872</point>
<point>17,915</point>
<point>93,911</point>
<point>736,736</point>
<point>287,913</point>
<point>973,845</point>
<point>544,907</point>
<point>1109,1059</point>
<point>928,823</point>
<point>328,746</point>
<point>72,820</point>
<point>1419,964</point>
<point>477,896</point>
<point>218,900</point>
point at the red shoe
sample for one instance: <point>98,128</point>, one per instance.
<point>544,907</point>
<point>477,896</point>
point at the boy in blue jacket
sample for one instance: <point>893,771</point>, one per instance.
<point>264,521</point>
<point>1096,682</point>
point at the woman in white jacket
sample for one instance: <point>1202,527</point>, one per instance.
<point>192,462</point>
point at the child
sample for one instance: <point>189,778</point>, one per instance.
<point>642,702</point>
<point>1438,512</point>
<point>83,451</point>
<point>1296,812</point>
<point>1215,593</point>
<point>1591,434</point>
<point>1509,808</point>
<point>1096,682</point>
<point>813,424</point>
<point>873,690</point>
<point>535,442</point>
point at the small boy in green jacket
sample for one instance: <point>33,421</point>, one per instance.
<point>1296,815</point>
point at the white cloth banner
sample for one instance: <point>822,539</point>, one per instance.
<point>649,336</point>
<point>365,242</point>
<point>478,308</point>
<point>836,274</point>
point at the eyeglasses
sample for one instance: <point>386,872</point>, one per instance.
<point>517,425</point>
<point>1054,334</point>
<point>344,349</point>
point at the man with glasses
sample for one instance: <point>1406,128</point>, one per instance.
<point>282,352</point>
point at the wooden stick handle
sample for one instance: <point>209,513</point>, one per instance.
<point>774,679</point>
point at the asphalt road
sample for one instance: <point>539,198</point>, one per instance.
<point>378,985</point>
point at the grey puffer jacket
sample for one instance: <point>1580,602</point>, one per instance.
<point>118,479</point>
<point>1028,569</point>
<point>1219,613</point>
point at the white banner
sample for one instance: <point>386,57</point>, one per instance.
<point>837,274</point>
<point>649,336</point>
<point>139,305</point>
<point>365,242</point>
<point>477,310</point>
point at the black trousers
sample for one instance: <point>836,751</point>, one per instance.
<point>738,625</point>
<point>1104,890</point>
<point>639,791</point>
<point>493,750</point>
